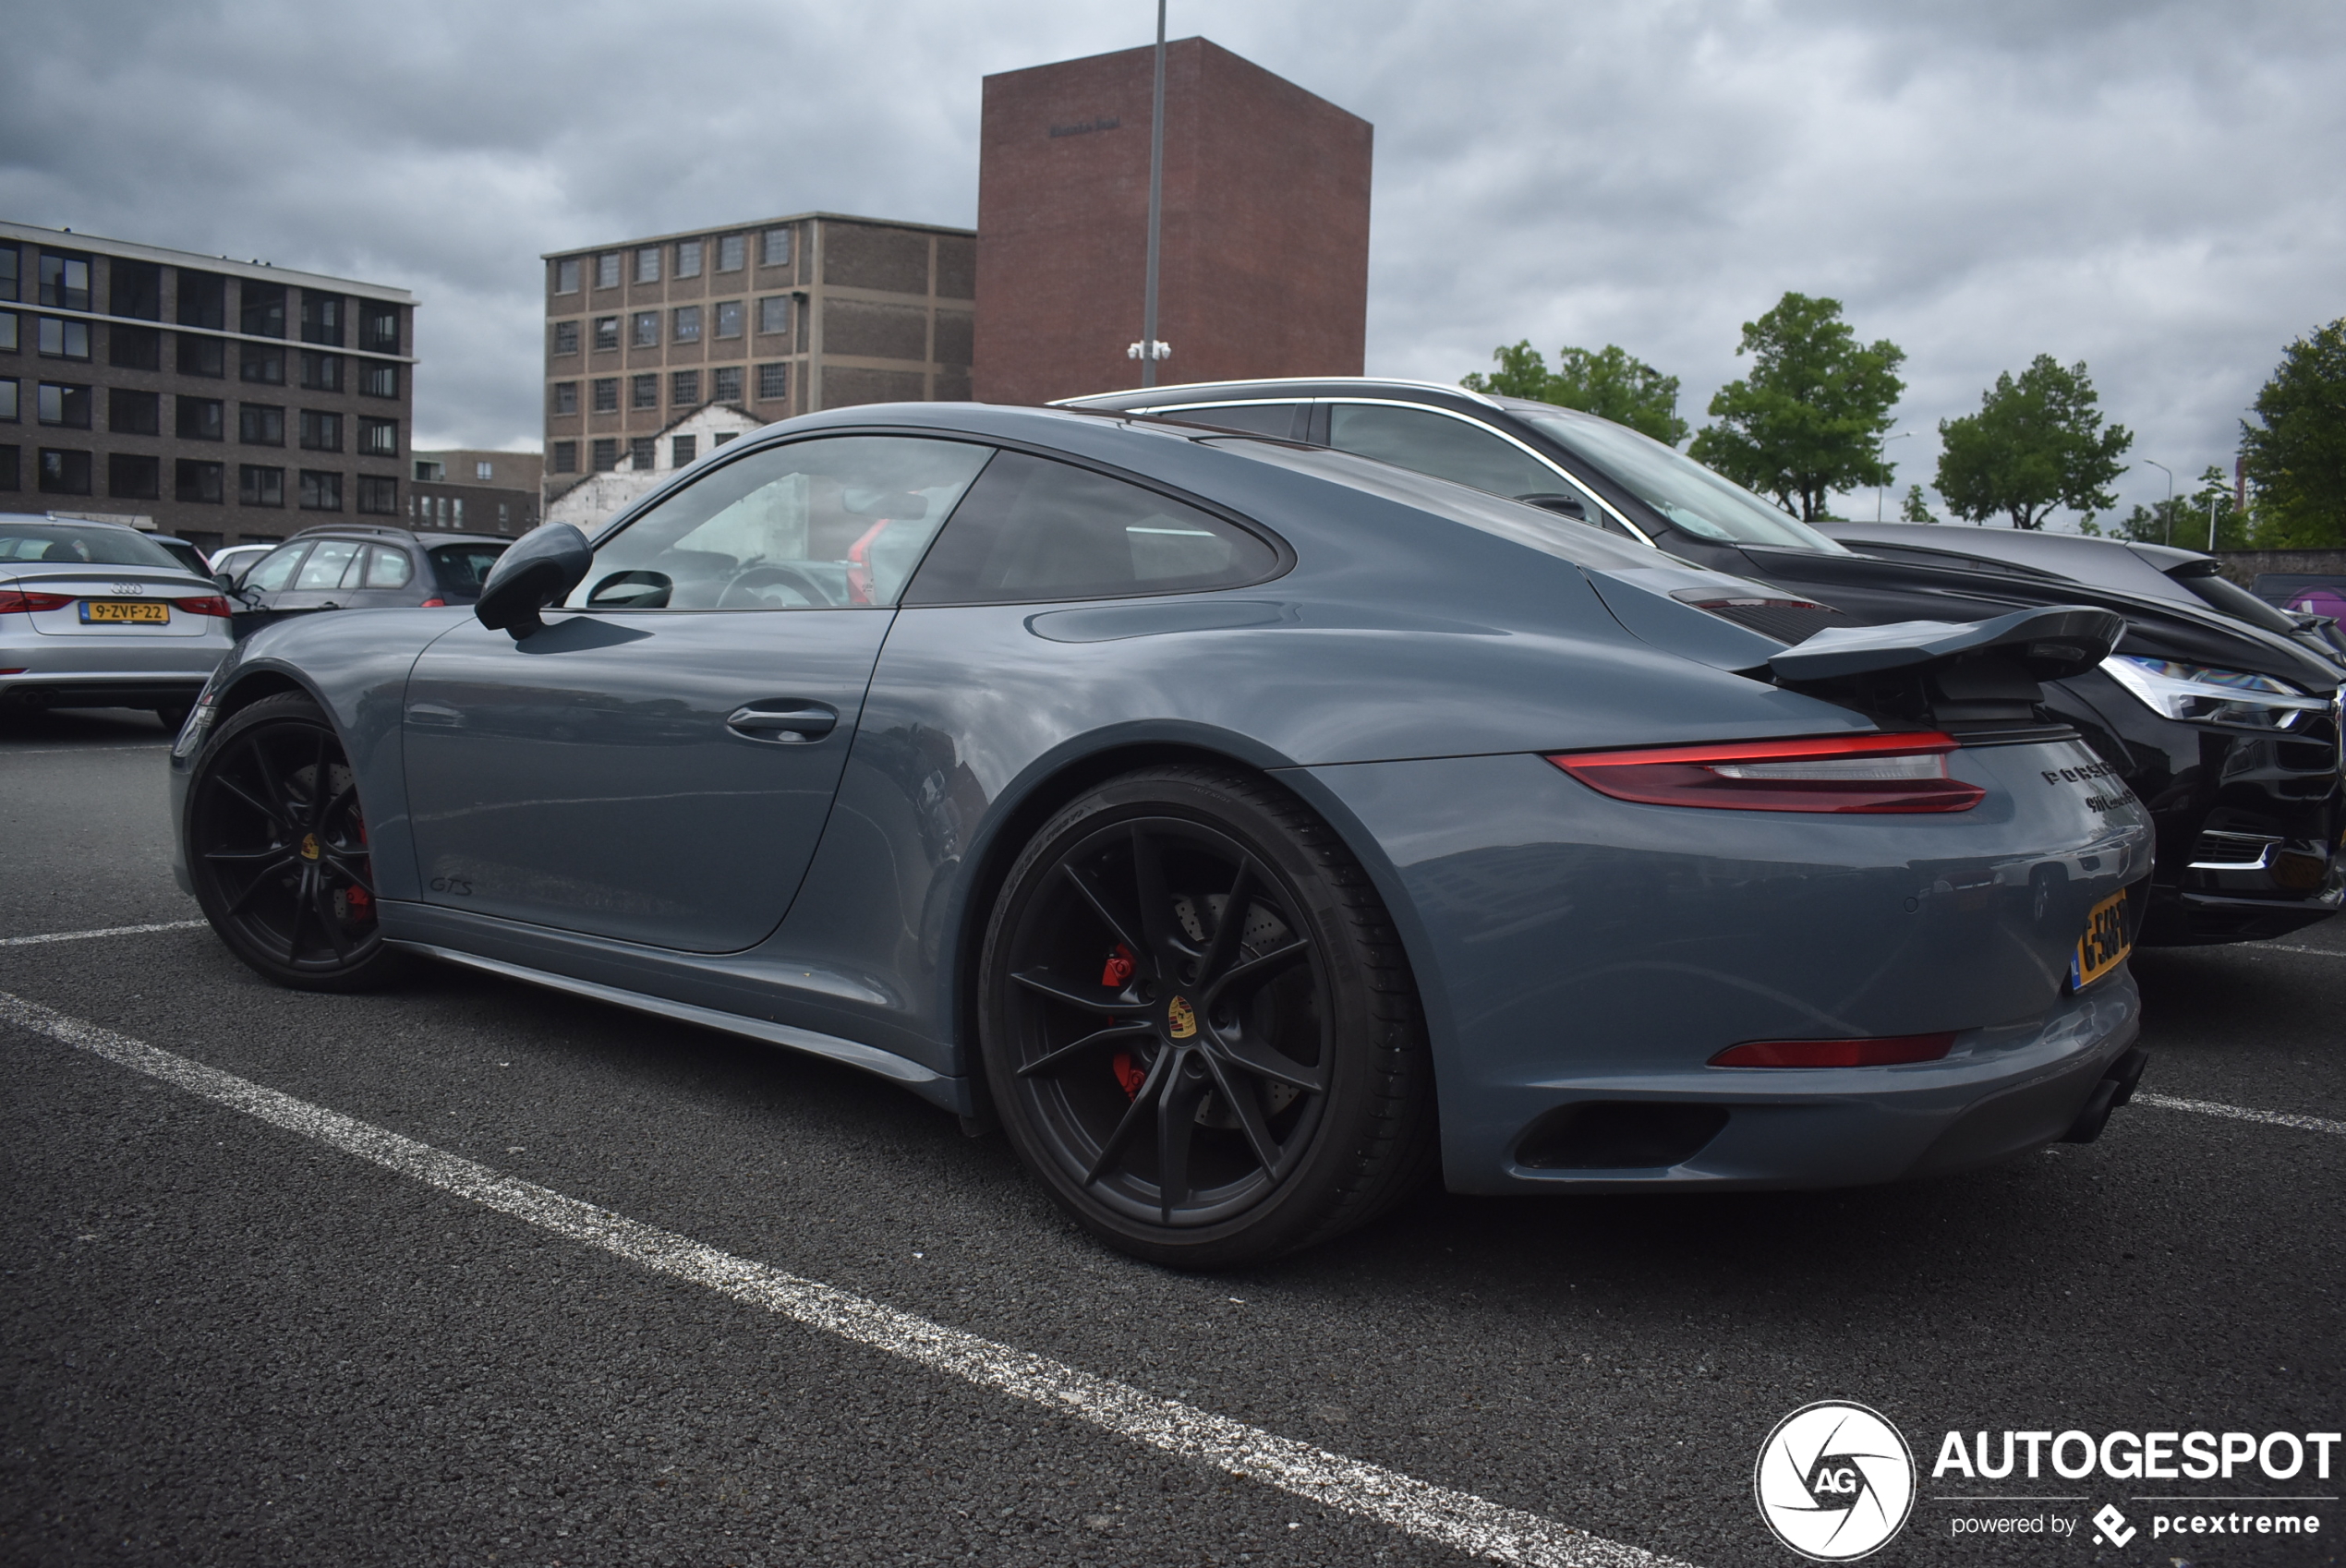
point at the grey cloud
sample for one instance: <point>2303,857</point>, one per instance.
<point>2147,188</point>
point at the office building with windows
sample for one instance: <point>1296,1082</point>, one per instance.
<point>778,316</point>
<point>225,402</point>
<point>475,492</point>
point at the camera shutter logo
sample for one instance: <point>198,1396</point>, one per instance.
<point>1834,1482</point>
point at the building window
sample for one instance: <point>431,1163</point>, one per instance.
<point>688,259</point>
<point>724,436</point>
<point>606,332</point>
<point>773,382</point>
<point>203,299</point>
<point>729,318</point>
<point>133,475</point>
<point>731,253</point>
<point>725,384</point>
<point>65,282</point>
<point>135,288</point>
<point>320,431</point>
<point>606,456</point>
<point>200,418</point>
<point>132,413</point>
<point>321,372</point>
<point>9,399</point>
<point>607,396</point>
<point>565,397</point>
<point>565,337</point>
<point>379,380</point>
<point>202,356</point>
<point>378,438</point>
<point>688,323</point>
<point>258,361</point>
<point>261,424</point>
<point>457,509</point>
<point>430,471</point>
<point>11,275</point>
<point>64,473</point>
<point>263,314</point>
<point>682,450</point>
<point>321,491</point>
<point>194,480</point>
<point>643,453</point>
<point>257,486</point>
<point>644,391</point>
<point>377,328</point>
<point>776,251</point>
<point>8,331</point>
<point>378,494</point>
<point>61,339</point>
<point>321,319</point>
<point>646,328</point>
<point>566,276</point>
<point>62,403</point>
<point>505,515</point>
<point>565,457</point>
<point>134,348</point>
<point>648,264</point>
<point>684,389</point>
<point>607,271</point>
<point>773,313</point>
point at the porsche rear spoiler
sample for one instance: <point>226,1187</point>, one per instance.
<point>1976,678</point>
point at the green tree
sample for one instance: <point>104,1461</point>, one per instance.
<point>2296,450</point>
<point>1913,509</point>
<point>1811,417</point>
<point>1608,384</point>
<point>2035,443</point>
<point>2183,521</point>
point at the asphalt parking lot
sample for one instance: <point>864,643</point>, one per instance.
<point>229,1340</point>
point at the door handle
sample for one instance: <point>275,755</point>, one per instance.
<point>784,720</point>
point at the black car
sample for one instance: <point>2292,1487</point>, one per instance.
<point>340,567</point>
<point>2229,731</point>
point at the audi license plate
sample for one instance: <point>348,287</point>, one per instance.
<point>144,610</point>
<point>2104,945</point>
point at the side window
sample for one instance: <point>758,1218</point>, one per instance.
<point>1445,448</point>
<point>324,568</point>
<point>1256,419</point>
<point>388,567</point>
<point>276,569</point>
<point>1033,529</point>
<point>834,522</point>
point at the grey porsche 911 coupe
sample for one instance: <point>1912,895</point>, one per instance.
<point>1250,831</point>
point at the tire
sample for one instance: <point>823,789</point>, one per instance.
<point>1187,959</point>
<point>280,864</point>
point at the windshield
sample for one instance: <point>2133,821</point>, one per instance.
<point>1691,495</point>
<point>62,544</point>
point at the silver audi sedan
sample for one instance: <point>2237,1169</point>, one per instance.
<point>97,615</point>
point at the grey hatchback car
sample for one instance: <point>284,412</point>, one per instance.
<point>98,615</point>
<point>341,567</point>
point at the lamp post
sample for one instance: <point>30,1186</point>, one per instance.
<point>1876,490</point>
<point>2170,513</point>
<point>2212,493</point>
<point>1151,349</point>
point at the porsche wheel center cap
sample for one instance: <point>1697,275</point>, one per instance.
<point>309,846</point>
<point>1181,1019</point>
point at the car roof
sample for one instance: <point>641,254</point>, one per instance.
<point>1298,387</point>
<point>72,522</point>
<point>403,536</point>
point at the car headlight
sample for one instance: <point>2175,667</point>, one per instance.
<point>2204,696</point>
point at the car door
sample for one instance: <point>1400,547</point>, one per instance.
<point>656,766</point>
<point>272,575</point>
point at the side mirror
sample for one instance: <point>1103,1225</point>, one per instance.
<point>542,567</point>
<point>224,580</point>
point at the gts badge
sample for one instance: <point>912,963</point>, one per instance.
<point>461,887</point>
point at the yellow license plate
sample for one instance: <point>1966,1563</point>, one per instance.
<point>2104,945</point>
<point>125,610</point>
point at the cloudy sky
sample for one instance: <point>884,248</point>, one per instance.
<point>2154,188</point>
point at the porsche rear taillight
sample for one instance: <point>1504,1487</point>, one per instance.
<point>435,602</point>
<point>205,604</point>
<point>1883,1052</point>
<point>1839,773</point>
<point>13,600</point>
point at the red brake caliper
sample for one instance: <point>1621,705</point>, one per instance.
<point>1129,1071</point>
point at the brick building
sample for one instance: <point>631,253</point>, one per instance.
<point>475,492</point>
<point>225,402</point>
<point>1264,251</point>
<point>783,316</point>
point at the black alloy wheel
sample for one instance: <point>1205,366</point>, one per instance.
<point>1198,1026</point>
<point>277,849</point>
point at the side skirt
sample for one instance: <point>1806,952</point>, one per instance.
<point>951,1094</point>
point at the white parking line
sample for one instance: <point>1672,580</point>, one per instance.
<point>2240,1113</point>
<point>1453,1518</point>
<point>155,745</point>
<point>109,931</point>
<point>2279,948</point>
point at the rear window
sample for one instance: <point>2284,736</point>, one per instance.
<point>2222,593</point>
<point>62,544</point>
<point>461,568</point>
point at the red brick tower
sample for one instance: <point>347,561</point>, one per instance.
<point>1265,262</point>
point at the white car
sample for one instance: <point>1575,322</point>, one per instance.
<point>97,615</point>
